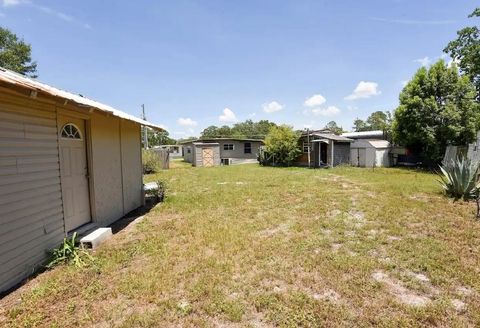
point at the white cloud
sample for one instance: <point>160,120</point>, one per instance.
<point>228,116</point>
<point>364,90</point>
<point>272,107</point>
<point>252,115</point>
<point>11,3</point>
<point>315,100</point>
<point>425,61</point>
<point>327,112</point>
<point>186,122</point>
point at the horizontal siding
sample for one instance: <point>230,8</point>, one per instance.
<point>29,256</point>
<point>16,227</point>
<point>31,214</point>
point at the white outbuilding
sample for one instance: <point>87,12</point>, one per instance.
<point>370,153</point>
<point>67,164</point>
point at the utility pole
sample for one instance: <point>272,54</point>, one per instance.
<point>145,129</point>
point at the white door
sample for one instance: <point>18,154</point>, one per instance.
<point>74,172</point>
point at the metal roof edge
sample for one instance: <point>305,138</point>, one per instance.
<point>17,79</point>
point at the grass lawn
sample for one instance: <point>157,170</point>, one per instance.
<point>249,246</point>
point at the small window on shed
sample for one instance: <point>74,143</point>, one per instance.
<point>228,147</point>
<point>70,131</point>
<point>189,150</point>
<point>248,148</point>
<point>306,147</point>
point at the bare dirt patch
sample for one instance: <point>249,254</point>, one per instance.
<point>401,293</point>
<point>459,305</point>
<point>328,295</point>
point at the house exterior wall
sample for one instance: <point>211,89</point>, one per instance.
<point>237,155</point>
<point>31,213</point>
<point>338,152</point>
<point>132,176</point>
<point>238,151</point>
<point>302,159</point>
<point>188,156</point>
<point>341,153</point>
<point>31,206</point>
<point>107,168</point>
<point>117,167</point>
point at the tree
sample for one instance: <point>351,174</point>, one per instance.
<point>262,128</point>
<point>466,50</point>
<point>15,54</point>
<point>251,129</point>
<point>247,129</point>
<point>209,132</point>
<point>157,138</point>
<point>437,107</point>
<point>379,121</point>
<point>333,126</point>
<point>360,125</point>
<point>281,142</point>
<point>216,132</point>
<point>376,121</point>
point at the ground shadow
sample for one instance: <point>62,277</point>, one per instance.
<point>125,221</point>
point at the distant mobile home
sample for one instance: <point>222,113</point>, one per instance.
<point>66,162</point>
<point>221,151</point>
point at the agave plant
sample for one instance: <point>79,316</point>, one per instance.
<point>459,179</point>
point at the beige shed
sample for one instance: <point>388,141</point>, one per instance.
<point>66,162</point>
<point>370,153</point>
<point>205,154</point>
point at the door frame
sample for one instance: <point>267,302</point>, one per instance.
<point>322,151</point>
<point>88,153</point>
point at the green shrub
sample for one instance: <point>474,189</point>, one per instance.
<point>151,162</point>
<point>69,252</point>
<point>459,179</point>
<point>281,144</point>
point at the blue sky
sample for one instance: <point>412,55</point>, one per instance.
<point>197,63</point>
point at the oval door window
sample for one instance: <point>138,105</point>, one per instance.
<point>70,131</point>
